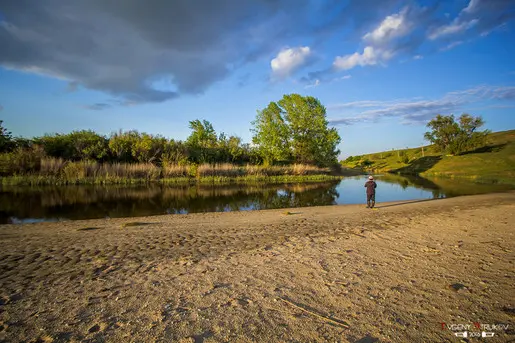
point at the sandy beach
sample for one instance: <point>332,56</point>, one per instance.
<point>318,274</point>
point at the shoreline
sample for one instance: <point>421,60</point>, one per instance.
<point>34,180</point>
<point>330,273</point>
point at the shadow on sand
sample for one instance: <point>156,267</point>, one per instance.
<point>407,202</point>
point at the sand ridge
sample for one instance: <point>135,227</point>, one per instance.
<point>335,273</point>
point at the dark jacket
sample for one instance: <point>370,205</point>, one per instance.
<point>371,187</point>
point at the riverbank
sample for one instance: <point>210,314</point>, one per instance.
<point>493,163</point>
<point>335,273</point>
<point>34,180</point>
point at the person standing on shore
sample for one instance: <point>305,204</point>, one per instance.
<point>371,186</point>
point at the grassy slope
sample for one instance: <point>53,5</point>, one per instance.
<point>494,163</point>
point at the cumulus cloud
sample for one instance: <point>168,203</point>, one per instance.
<point>395,25</point>
<point>418,111</point>
<point>383,42</point>
<point>418,28</point>
<point>370,56</point>
<point>120,47</point>
<point>289,60</point>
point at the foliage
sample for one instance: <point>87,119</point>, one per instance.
<point>202,142</point>
<point>292,130</point>
<point>5,139</point>
<point>295,129</point>
<point>456,137</point>
<point>271,135</point>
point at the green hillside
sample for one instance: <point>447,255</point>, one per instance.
<point>493,163</point>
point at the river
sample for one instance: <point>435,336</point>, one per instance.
<point>34,204</point>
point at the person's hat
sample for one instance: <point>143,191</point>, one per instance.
<point>370,177</point>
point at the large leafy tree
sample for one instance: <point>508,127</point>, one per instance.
<point>296,126</point>
<point>456,136</point>
<point>312,140</point>
<point>271,135</point>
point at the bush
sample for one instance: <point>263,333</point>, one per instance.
<point>20,161</point>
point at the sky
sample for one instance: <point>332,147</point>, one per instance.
<point>382,71</point>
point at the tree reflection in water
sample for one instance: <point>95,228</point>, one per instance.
<point>87,202</point>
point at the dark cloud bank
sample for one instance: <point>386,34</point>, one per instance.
<point>126,48</point>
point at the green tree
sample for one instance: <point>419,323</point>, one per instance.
<point>202,141</point>
<point>455,137</point>
<point>88,145</point>
<point>235,148</point>
<point>121,145</point>
<point>5,138</point>
<point>271,135</point>
<point>57,145</point>
<point>175,152</point>
<point>296,126</point>
<point>148,148</point>
<point>313,142</point>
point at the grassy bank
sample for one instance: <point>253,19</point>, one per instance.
<point>59,172</point>
<point>493,163</point>
<point>34,180</point>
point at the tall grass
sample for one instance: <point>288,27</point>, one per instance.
<point>231,170</point>
<point>26,167</point>
<point>175,171</point>
<point>52,166</point>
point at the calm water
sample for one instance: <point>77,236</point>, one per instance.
<point>32,204</point>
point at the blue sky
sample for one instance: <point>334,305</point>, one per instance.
<point>381,71</point>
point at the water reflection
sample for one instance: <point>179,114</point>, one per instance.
<point>443,187</point>
<point>80,202</point>
<point>22,204</point>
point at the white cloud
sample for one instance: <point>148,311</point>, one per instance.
<point>379,46</point>
<point>370,56</point>
<point>289,60</point>
<point>418,57</point>
<point>453,28</point>
<point>395,25</point>
<point>418,111</point>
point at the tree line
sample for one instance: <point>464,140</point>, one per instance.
<point>292,130</point>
